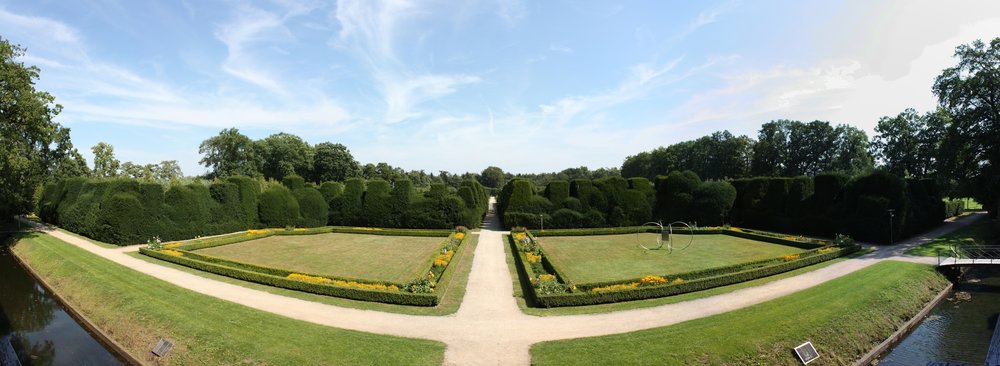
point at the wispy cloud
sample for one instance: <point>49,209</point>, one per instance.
<point>369,29</point>
<point>560,48</point>
<point>643,78</point>
<point>706,17</point>
<point>51,29</point>
<point>252,25</point>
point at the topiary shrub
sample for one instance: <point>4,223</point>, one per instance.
<point>520,195</point>
<point>346,208</point>
<point>557,191</point>
<point>573,203</point>
<point>293,182</point>
<point>278,207</point>
<point>678,195</point>
<point>249,190</point>
<point>119,220</point>
<point>635,204</point>
<point>377,204</point>
<point>565,218</point>
<point>402,197</point>
<point>313,209</point>
<point>712,202</point>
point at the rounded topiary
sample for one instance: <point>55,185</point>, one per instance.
<point>313,209</point>
<point>278,207</point>
<point>377,204</point>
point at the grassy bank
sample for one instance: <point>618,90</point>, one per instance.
<point>843,318</point>
<point>982,232</point>
<point>136,309</point>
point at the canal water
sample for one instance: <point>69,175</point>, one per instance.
<point>34,328</point>
<point>959,329</point>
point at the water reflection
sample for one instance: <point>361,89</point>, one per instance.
<point>957,330</point>
<point>34,327</point>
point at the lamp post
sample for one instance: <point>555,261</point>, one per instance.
<point>541,218</point>
<point>891,215</point>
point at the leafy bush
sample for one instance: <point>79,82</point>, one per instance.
<point>313,209</point>
<point>378,205</point>
<point>278,207</point>
<point>557,191</point>
<point>712,202</point>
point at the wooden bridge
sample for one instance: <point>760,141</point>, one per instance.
<point>969,255</point>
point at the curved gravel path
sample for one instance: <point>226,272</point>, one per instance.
<point>489,328</point>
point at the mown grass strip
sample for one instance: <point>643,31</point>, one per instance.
<point>843,318</point>
<point>136,309</point>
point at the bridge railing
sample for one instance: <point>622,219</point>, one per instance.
<point>969,254</point>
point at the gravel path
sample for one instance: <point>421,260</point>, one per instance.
<point>489,328</point>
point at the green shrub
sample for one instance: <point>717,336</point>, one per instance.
<point>712,202</point>
<point>636,207</point>
<point>567,218</point>
<point>402,198</point>
<point>573,203</point>
<point>293,182</point>
<point>346,209</point>
<point>557,191</point>
<point>249,190</point>
<point>313,209</point>
<point>119,220</point>
<point>677,196</point>
<point>378,204</point>
<point>520,196</point>
<point>278,207</point>
<point>225,213</point>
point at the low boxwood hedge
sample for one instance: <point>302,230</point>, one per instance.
<point>279,277</point>
<point>648,292</point>
<point>389,297</point>
<point>581,294</point>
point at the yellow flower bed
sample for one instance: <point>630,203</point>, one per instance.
<point>791,257</point>
<point>678,280</point>
<point>521,236</point>
<point>171,245</point>
<point>459,236</point>
<point>736,229</point>
<point>173,252</point>
<point>652,280</point>
<point>341,283</point>
<point>310,279</point>
<point>366,228</point>
<point>299,229</point>
<point>546,277</point>
<point>624,286</point>
<point>252,232</point>
<point>827,250</point>
<point>443,259</point>
<point>532,257</point>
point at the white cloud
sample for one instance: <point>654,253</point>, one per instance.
<point>644,77</point>
<point>560,48</point>
<point>251,26</point>
<point>369,29</point>
<point>50,29</point>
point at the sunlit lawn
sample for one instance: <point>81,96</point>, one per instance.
<point>370,257</point>
<point>587,259</point>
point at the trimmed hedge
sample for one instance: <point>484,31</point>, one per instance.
<point>279,277</point>
<point>313,209</point>
<point>378,204</point>
<point>694,281</point>
<point>278,207</point>
<point>390,297</point>
<point>648,292</point>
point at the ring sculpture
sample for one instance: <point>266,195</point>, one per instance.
<point>666,236</point>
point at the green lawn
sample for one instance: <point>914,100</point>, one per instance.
<point>587,259</point>
<point>136,309</point>
<point>453,283</point>
<point>843,318</point>
<point>982,232</point>
<point>396,259</point>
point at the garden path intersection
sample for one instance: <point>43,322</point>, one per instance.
<point>489,328</point>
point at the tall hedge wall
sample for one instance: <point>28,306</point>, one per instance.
<point>127,211</point>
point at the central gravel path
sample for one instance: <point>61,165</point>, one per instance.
<point>489,328</point>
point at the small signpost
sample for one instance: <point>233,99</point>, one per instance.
<point>162,347</point>
<point>806,352</point>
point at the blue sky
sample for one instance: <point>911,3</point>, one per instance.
<point>529,86</point>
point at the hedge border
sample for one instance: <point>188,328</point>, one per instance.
<point>580,294</point>
<point>241,236</point>
<point>278,277</point>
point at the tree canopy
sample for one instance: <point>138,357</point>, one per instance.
<point>34,145</point>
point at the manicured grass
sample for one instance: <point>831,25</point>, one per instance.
<point>521,286</point>
<point>983,232</point>
<point>453,284</point>
<point>597,258</point>
<point>844,319</point>
<point>136,309</point>
<point>397,259</point>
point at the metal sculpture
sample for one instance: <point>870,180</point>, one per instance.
<point>666,237</point>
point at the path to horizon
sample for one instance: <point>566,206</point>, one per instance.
<point>489,328</point>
